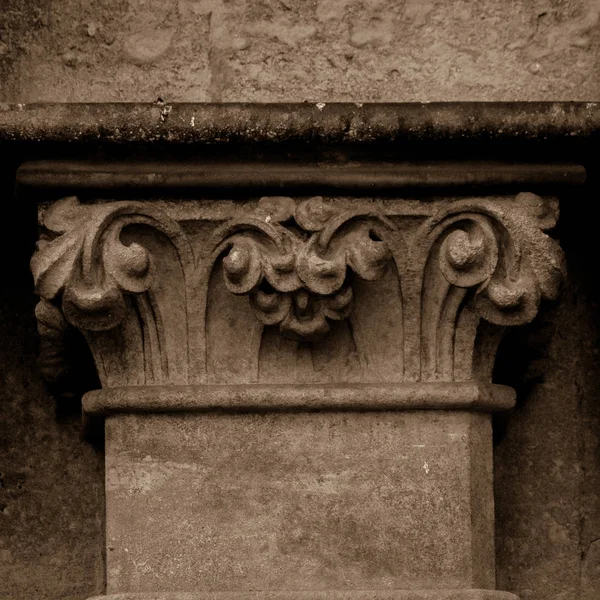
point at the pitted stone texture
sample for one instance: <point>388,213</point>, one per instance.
<point>329,50</point>
<point>317,501</point>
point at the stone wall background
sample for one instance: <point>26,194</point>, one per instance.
<point>296,50</point>
<point>547,451</point>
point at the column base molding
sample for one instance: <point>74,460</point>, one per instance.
<point>467,395</point>
<point>465,594</point>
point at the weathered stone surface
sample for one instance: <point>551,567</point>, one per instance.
<point>273,374</point>
<point>220,308</point>
<point>306,397</point>
<point>316,123</point>
<point>316,501</point>
<point>330,50</point>
<point>395,289</point>
<point>547,465</point>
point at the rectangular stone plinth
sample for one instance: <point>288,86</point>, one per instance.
<point>313,501</point>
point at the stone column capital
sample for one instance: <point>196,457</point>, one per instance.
<point>397,289</point>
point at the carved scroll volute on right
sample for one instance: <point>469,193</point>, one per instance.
<point>485,260</point>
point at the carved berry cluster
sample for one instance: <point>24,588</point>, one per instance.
<point>297,276</point>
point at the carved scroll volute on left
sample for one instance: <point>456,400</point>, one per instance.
<point>107,287</point>
<point>484,260</point>
<point>294,261</point>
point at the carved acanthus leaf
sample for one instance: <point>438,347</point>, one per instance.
<point>502,252</point>
<point>124,274</point>
<point>82,261</point>
<point>297,275</point>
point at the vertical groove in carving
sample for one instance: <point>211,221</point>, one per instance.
<point>465,332</point>
<point>146,350</point>
<point>165,311</point>
<point>431,301</point>
<point>155,359</point>
<point>449,320</point>
<point>158,334</point>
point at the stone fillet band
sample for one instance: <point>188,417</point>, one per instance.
<point>484,397</point>
<point>464,594</point>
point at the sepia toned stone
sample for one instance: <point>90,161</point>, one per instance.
<point>296,389</point>
<point>302,501</point>
<point>301,595</point>
<point>156,302</point>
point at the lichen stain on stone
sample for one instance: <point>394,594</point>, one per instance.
<point>148,45</point>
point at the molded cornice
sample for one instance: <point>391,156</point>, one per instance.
<point>312,123</point>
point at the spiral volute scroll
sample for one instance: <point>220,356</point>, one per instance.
<point>82,261</point>
<point>495,253</point>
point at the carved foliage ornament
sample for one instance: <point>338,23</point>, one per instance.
<point>82,260</point>
<point>297,274</point>
<point>500,251</point>
<point>298,262</point>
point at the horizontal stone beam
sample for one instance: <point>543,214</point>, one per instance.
<point>345,123</point>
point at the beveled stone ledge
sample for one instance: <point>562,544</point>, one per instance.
<point>324,595</point>
<point>272,397</point>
